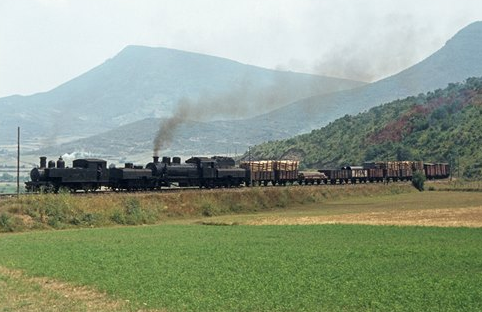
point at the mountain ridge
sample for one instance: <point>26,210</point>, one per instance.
<point>143,82</point>
<point>459,58</point>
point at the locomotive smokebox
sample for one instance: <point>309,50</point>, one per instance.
<point>156,159</point>
<point>43,162</point>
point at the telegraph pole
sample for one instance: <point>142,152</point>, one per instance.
<point>18,161</point>
<point>250,168</point>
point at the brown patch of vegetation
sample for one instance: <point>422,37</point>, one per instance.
<point>396,130</point>
<point>449,217</point>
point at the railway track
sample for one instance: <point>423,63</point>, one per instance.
<point>162,191</point>
<point>185,190</point>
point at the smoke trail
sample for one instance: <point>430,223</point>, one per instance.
<point>204,109</point>
<point>243,101</point>
<point>168,126</point>
<point>381,48</point>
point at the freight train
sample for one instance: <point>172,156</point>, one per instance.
<point>211,172</point>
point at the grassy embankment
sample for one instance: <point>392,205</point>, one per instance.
<point>456,185</point>
<point>62,211</point>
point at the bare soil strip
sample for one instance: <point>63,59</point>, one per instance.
<point>23,293</point>
<point>450,217</point>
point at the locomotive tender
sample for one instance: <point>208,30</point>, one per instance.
<point>209,172</point>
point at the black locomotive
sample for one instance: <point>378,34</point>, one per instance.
<point>85,174</point>
<point>93,174</point>
<point>209,172</point>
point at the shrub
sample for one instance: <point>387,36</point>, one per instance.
<point>418,180</point>
<point>118,217</point>
<point>134,214</point>
<point>9,223</point>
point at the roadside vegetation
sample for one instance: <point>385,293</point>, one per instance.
<point>61,211</point>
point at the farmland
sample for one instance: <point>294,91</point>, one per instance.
<point>291,260</point>
<point>269,268</point>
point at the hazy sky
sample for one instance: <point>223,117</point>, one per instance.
<point>44,43</point>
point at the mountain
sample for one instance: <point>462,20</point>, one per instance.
<point>458,59</point>
<point>143,82</point>
<point>440,126</point>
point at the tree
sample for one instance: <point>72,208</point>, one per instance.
<point>418,180</point>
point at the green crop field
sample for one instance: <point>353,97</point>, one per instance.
<point>262,268</point>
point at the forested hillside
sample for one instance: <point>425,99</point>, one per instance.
<point>440,126</point>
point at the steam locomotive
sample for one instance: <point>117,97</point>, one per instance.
<point>210,172</point>
<point>93,174</point>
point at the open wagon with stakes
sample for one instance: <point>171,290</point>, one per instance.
<point>276,172</point>
<point>347,174</point>
<point>436,171</point>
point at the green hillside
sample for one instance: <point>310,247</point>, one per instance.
<point>440,126</point>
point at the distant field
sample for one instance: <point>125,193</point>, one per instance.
<point>263,268</point>
<point>453,209</point>
<point>10,187</point>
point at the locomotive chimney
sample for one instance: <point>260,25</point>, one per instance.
<point>156,159</point>
<point>43,162</point>
<point>60,163</point>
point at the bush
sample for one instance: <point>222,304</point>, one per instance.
<point>10,223</point>
<point>418,180</point>
<point>134,214</point>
